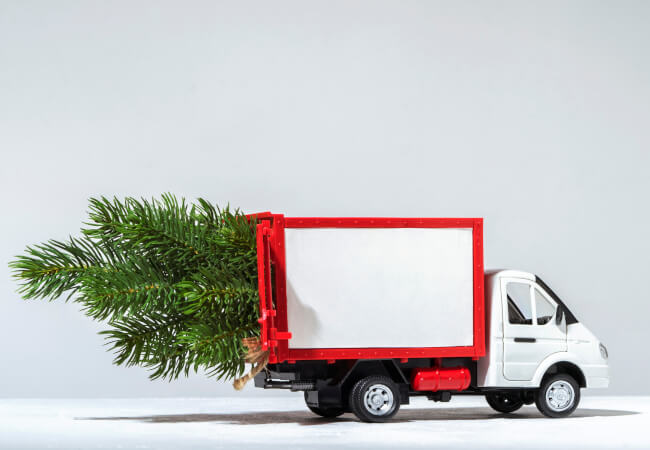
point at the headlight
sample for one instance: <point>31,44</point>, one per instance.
<point>603,351</point>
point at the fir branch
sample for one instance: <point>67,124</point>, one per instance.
<point>133,286</point>
<point>177,282</point>
<point>51,269</point>
<point>137,340</point>
<point>160,229</point>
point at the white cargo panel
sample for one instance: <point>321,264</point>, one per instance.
<point>379,287</point>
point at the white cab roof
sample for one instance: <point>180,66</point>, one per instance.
<point>509,273</point>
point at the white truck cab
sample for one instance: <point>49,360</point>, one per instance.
<point>531,336</point>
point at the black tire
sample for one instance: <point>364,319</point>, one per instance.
<point>329,412</point>
<point>504,402</point>
<point>564,401</point>
<point>375,399</point>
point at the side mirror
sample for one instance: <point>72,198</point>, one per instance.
<point>559,316</point>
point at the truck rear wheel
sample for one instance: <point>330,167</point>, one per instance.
<point>558,396</point>
<point>328,412</point>
<point>504,402</point>
<point>375,399</point>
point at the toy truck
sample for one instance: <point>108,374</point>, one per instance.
<point>361,314</point>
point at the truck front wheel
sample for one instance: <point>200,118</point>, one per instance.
<point>328,412</point>
<point>375,399</point>
<point>504,402</point>
<point>558,396</point>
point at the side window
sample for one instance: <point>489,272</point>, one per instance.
<point>519,303</point>
<point>545,310</point>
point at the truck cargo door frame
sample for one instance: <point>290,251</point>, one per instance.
<point>276,335</point>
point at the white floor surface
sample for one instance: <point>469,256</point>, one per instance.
<point>285,423</point>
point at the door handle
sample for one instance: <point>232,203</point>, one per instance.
<point>525,340</point>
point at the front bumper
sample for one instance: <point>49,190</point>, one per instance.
<point>597,375</point>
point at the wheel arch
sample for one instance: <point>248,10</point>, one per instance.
<point>560,363</point>
<point>386,367</point>
<point>570,369</point>
<point>366,367</point>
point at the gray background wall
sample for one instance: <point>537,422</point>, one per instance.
<point>533,115</point>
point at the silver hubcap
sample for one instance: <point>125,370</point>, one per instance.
<point>560,396</point>
<point>379,400</point>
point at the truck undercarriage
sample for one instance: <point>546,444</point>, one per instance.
<point>375,389</point>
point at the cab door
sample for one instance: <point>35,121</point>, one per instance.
<point>533,330</point>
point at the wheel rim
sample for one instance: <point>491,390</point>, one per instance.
<point>379,400</point>
<point>560,396</point>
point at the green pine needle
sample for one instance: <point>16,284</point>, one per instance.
<point>176,282</point>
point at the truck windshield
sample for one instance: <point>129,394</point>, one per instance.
<point>570,318</point>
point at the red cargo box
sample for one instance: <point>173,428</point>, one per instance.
<point>370,288</point>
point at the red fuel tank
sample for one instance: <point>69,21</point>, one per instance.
<point>440,379</point>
